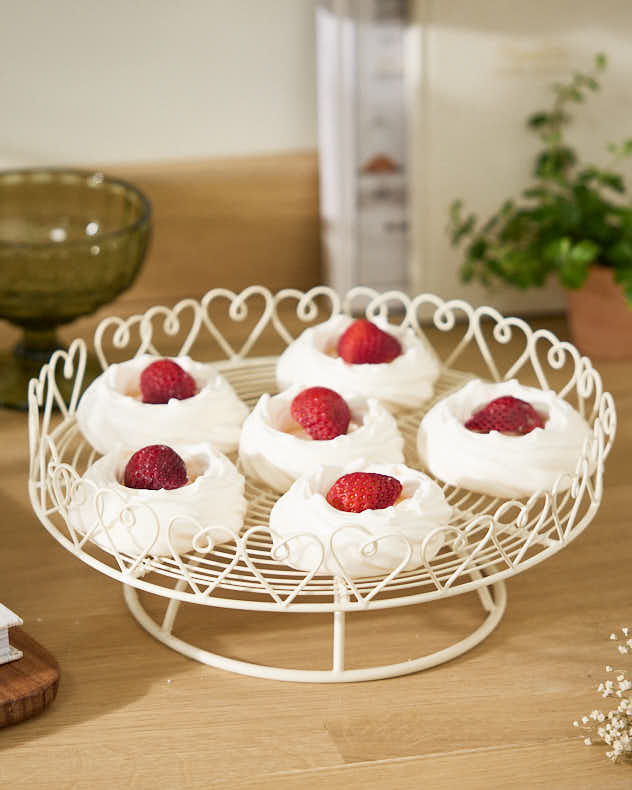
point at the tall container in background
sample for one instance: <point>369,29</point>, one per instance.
<point>363,141</point>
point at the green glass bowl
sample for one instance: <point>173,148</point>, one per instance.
<point>70,242</point>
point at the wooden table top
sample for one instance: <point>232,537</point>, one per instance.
<point>130,713</point>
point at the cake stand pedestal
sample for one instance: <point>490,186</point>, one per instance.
<point>494,605</point>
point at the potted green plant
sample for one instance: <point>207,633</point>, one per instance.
<point>572,222</point>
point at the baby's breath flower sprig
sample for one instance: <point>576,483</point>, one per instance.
<point>613,728</point>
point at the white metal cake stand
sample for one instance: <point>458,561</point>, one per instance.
<point>489,539</point>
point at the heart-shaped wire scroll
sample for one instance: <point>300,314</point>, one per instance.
<point>307,307</point>
<point>459,540</point>
<point>281,553</point>
<point>204,540</point>
<point>171,325</point>
<point>44,396</point>
<point>367,549</point>
<point>238,311</point>
<point>122,516</point>
<point>578,486</point>
<point>445,316</point>
<point>242,553</point>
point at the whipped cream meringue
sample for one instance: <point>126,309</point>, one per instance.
<point>269,453</point>
<point>406,381</point>
<point>210,509</point>
<point>109,415</point>
<point>494,463</point>
<point>309,533</point>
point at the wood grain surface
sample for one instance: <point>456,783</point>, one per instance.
<point>132,714</point>
<point>27,685</point>
<point>228,224</point>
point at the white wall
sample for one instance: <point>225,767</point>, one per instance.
<point>482,67</point>
<point>85,81</point>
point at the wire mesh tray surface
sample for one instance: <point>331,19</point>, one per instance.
<point>488,538</point>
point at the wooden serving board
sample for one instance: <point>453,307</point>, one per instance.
<point>27,685</point>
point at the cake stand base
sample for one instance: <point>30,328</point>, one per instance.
<point>494,605</point>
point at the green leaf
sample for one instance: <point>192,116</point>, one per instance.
<point>552,164</point>
<point>601,61</point>
<point>506,208</point>
<point>455,211</point>
<point>463,229</point>
<point>477,250</point>
<point>620,254</point>
<point>467,271</point>
<point>584,252</point>
<point>573,274</point>
<point>559,117</point>
<point>612,180</point>
<point>538,119</point>
<point>557,251</point>
<point>625,220</point>
<point>623,275</point>
<point>587,175</point>
<point>489,225</point>
<point>536,192</point>
<point>571,260</point>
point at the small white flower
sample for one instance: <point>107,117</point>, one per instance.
<point>614,727</point>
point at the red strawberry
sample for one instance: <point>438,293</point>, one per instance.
<point>360,491</point>
<point>155,466</point>
<point>506,415</point>
<point>321,412</point>
<point>164,379</point>
<point>363,343</point>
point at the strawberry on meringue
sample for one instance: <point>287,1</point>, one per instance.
<point>112,410</point>
<point>274,450</point>
<point>310,534</point>
<point>208,508</point>
<point>539,438</point>
<point>407,380</point>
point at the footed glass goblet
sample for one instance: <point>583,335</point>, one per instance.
<point>70,242</point>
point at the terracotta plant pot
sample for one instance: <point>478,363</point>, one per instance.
<point>599,317</point>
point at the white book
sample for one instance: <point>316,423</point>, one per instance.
<point>8,619</point>
<point>4,642</point>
